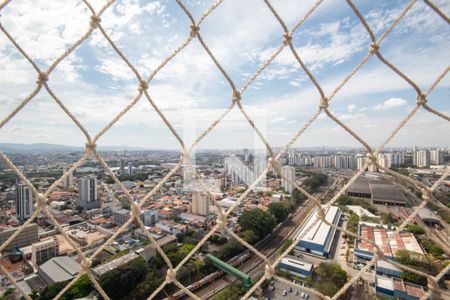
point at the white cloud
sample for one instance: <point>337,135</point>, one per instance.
<point>351,108</point>
<point>391,103</point>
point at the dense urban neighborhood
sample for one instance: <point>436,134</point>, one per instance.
<point>90,212</point>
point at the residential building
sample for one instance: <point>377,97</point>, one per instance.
<point>44,250</point>
<point>87,190</point>
<point>122,167</point>
<point>121,216</point>
<point>26,237</point>
<point>436,157</point>
<point>288,172</point>
<point>130,169</point>
<point>421,158</point>
<point>200,203</point>
<point>149,217</point>
<point>68,181</point>
<point>24,202</point>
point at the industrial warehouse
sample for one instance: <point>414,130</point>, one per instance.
<point>378,191</point>
<point>320,238</point>
<point>295,266</point>
<point>389,242</point>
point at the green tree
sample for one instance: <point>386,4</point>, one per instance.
<point>257,220</point>
<point>279,211</point>
<point>414,278</point>
<point>432,248</point>
<point>230,249</point>
<point>145,288</point>
<point>231,292</point>
<point>415,229</point>
<point>330,278</point>
<point>118,283</point>
<point>250,236</point>
<point>298,197</point>
<point>81,288</point>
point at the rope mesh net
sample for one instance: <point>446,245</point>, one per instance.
<point>374,49</point>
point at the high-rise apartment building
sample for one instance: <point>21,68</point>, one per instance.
<point>436,157</point>
<point>122,167</point>
<point>288,172</point>
<point>44,250</point>
<point>130,169</point>
<point>421,158</point>
<point>87,190</point>
<point>200,203</point>
<point>24,202</point>
<point>68,181</point>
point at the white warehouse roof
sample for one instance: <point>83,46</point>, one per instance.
<point>320,231</point>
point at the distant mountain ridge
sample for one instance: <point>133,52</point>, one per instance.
<point>48,148</point>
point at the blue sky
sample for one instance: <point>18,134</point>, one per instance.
<point>95,84</point>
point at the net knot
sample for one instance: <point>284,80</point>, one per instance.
<point>95,21</point>
<point>135,210</point>
<point>426,194</point>
<point>321,214</point>
<point>421,99</point>
<point>86,263</point>
<point>90,146</point>
<point>185,157</point>
<point>272,162</point>
<point>171,275</point>
<point>287,38</point>
<point>380,254</point>
<point>373,48</point>
<point>372,159</point>
<point>40,201</point>
<point>194,30</point>
<point>236,96</point>
<point>221,221</point>
<point>143,86</point>
<point>323,103</point>
<point>42,77</point>
<point>270,271</point>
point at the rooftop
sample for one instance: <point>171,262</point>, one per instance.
<point>297,263</point>
<point>388,241</point>
<point>319,232</point>
<point>60,268</point>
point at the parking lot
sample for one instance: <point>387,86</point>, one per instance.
<point>277,293</point>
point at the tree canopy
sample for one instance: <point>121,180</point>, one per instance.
<point>330,278</point>
<point>257,220</point>
<point>279,211</point>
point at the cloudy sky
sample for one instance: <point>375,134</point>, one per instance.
<point>95,84</point>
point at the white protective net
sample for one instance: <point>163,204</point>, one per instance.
<point>434,290</point>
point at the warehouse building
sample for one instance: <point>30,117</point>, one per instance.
<point>319,239</point>
<point>377,191</point>
<point>389,242</point>
<point>58,269</point>
<point>398,289</point>
<point>296,266</point>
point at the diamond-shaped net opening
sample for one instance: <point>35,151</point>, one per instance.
<point>268,259</point>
